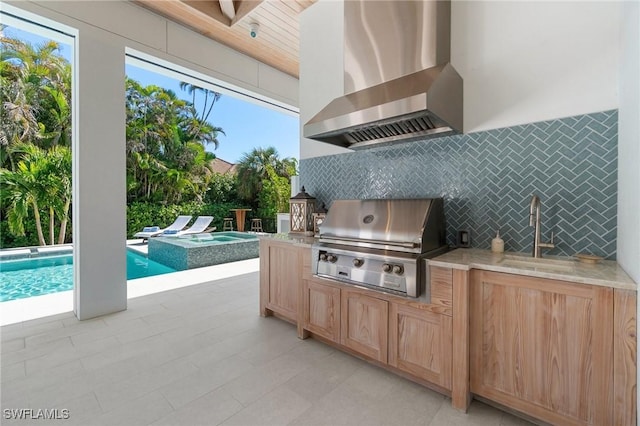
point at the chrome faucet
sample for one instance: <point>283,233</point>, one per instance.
<point>534,220</point>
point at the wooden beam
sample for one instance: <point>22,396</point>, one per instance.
<point>228,8</point>
<point>243,8</point>
<point>209,8</point>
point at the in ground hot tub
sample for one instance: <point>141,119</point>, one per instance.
<point>195,251</point>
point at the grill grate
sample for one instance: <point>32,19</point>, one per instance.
<point>380,131</point>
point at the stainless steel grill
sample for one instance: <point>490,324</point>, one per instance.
<point>381,244</point>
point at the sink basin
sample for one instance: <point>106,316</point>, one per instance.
<point>551,265</point>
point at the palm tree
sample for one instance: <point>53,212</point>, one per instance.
<point>209,95</point>
<point>23,189</point>
<point>42,180</point>
<point>35,91</point>
<point>37,70</point>
<point>166,157</point>
<point>58,174</point>
<point>202,131</point>
<point>254,166</point>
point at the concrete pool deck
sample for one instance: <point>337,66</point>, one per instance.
<point>16,311</point>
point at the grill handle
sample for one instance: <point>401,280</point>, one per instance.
<point>361,240</point>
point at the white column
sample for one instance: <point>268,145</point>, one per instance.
<point>99,202</point>
<point>629,143</point>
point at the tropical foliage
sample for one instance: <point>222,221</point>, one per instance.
<point>168,162</point>
<point>40,181</point>
<point>166,140</point>
<point>259,165</point>
<point>35,140</point>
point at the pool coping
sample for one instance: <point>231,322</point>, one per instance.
<point>35,252</point>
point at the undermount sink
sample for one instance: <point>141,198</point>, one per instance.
<point>540,264</point>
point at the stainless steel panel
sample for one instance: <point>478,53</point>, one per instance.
<point>413,282</point>
<point>377,221</point>
<point>385,40</point>
<point>409,225</point>
<point>370,273</point>
<point>433,96</point>
<point>397,73</point>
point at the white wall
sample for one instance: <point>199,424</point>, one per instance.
<point>105,29</point>
<point>321,67</point>
<point>524,62</point>
<point>629,144</point>
<point>521,62</point>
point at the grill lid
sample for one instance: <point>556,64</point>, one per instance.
<point>409,225</point>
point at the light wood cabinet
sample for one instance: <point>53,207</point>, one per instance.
<point>280,279</point>
<point>322,309</point>
<point>543,347</point>
<point>624,357</point>
<point>409,336</point>
<point>420,343</point>
<point>561,352</point>
<point>364,324</point>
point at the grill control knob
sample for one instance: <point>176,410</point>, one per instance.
<point>358,262</point>
<point>332,258</point>
<point>323,256</point>
<point>386,267</point>
<point>398,269</point>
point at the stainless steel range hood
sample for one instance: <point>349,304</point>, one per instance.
<point>400,85</point>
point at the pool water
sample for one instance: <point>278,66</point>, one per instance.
<point>216,238</point>
<point>51,274</point>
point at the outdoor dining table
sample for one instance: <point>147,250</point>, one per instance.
<point>240,216</point>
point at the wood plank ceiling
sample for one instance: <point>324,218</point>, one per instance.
<point>277,40</point>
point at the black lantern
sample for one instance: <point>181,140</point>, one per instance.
<point>301,209</point>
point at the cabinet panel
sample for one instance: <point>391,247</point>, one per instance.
<point>322,310</point>
<point>624,363</point>
<point>364,324</point>
<point>441,286</point>
<point>420,343</point>
<point>542,347</point>
<point>284,279</point>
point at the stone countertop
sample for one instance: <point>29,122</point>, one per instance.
<point>298,240</point>
<point>606,273</point>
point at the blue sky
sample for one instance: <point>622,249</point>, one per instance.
<point>245,124</point>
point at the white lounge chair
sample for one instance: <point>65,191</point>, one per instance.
<point>153,231</point>
<point>201,223</point>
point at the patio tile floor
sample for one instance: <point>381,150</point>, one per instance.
<point>201,355</point>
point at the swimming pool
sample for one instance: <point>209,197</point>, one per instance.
<point>23,278</point>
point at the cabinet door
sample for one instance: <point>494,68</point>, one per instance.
<point>420,343</point>
<point>364,323</point>
<point>543,347</point>
<point>283,279</point>
<point>322,310</point>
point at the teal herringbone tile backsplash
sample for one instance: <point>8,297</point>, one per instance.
<point>487,179</point>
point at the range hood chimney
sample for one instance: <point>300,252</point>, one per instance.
<point>400,85</point>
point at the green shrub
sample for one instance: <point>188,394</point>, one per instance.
<point>141,214</point>
<point>222,189</point>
